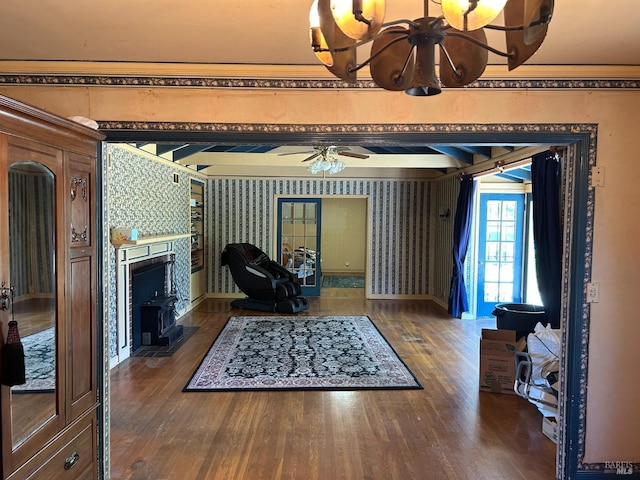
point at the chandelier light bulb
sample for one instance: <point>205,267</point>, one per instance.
<point>467,15</point>
<point>358,19</point>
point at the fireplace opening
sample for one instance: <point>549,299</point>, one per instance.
<point>153,310</point>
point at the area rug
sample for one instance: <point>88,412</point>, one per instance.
<point>39,354</point>
<point>343,281</point>
<point>300,353</point>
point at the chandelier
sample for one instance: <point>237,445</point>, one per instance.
<point>403,52</point>
<point>326,162</point>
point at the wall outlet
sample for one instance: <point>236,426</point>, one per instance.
<point>597,176</point>
<point>593,292</point>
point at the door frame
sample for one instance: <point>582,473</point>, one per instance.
<point>578,220</point>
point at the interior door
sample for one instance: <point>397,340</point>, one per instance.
<point>299,241</point>
<point>500,245</point>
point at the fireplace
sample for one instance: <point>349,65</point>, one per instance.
<point>153,311</point>
<point>130,257</point>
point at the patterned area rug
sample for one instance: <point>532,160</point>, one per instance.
<point>343,281</point>
<point>39,353</point>
<point>300,353</point>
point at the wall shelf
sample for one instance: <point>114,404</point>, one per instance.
<point>197,215</point>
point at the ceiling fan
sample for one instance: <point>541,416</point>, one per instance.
<point>328,150</point>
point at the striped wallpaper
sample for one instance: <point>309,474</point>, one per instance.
<point>32,230</point>
<point>444,197</point>
<point>242,210</point>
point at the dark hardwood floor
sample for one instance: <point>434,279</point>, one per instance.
<point>449,430</point>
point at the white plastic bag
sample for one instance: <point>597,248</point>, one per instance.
<point>543,346</point>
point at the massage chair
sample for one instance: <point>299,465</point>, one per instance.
<point>269,286</point>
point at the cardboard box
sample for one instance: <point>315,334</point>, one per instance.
<point>497,362</point>
<point>122,235</point>
<point>550,428</point>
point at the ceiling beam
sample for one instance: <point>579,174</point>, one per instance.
<point>484,152</point>
<point>456,153</point>
<point>187,150</point>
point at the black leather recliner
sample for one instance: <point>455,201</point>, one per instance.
<point>268,285</point>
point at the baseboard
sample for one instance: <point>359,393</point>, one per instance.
<point>343,272</point>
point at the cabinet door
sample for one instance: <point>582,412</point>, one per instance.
<point>31,213</point>
<point>81,289</point>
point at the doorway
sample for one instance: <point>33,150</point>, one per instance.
<point>501,226</point>
<point>323,241</point>
<point>578,222</point>
<point>344,238</point>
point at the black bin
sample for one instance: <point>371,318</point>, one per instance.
<point>521,317</point>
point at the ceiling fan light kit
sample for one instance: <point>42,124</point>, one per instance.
<point>403,52</point>
<point>325,158</point>
<point>326,165</point>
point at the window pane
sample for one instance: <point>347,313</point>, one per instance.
<point>492,251</point>
<point>507,252</point>
<point>491,292</point>
<point>493,231</point>
<point>508,232</point>
<point>506,272</point>
<point>493,210</point>
<point>311,211</point>
<point>509,210</point>
<point>492,272</point>
<point>506,292</point>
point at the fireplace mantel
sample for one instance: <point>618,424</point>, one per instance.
<point>149,240</point>
<point>128,253</point>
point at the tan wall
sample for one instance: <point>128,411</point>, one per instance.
<point>612,416</point>
<point>344,230</point>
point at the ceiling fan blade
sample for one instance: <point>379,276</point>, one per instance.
<point>295,153</point>
<point>353,154</point>
<point>311,157</point>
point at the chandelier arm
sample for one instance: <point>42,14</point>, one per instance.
<point>479,43</point>
<point>517,28</point>
<point>404,21</point>
<point>456,72</point>
<point>368,60</point>
<point>406,63</point>
<point>368,40</point>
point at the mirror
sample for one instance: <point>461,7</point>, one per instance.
<point>32,275</point>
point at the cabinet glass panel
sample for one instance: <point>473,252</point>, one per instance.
<point>32,273</point>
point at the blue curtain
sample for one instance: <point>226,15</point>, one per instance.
<point>458,301</point>
<point>545,183</point>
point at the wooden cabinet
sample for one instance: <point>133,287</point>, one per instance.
<point>48,267</point>
<point>198,271</point>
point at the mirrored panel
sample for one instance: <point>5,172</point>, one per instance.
<point>32,273</point>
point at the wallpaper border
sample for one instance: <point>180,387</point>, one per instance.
<point>307,84</point>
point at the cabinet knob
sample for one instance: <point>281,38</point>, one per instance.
<point>71,461</point>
